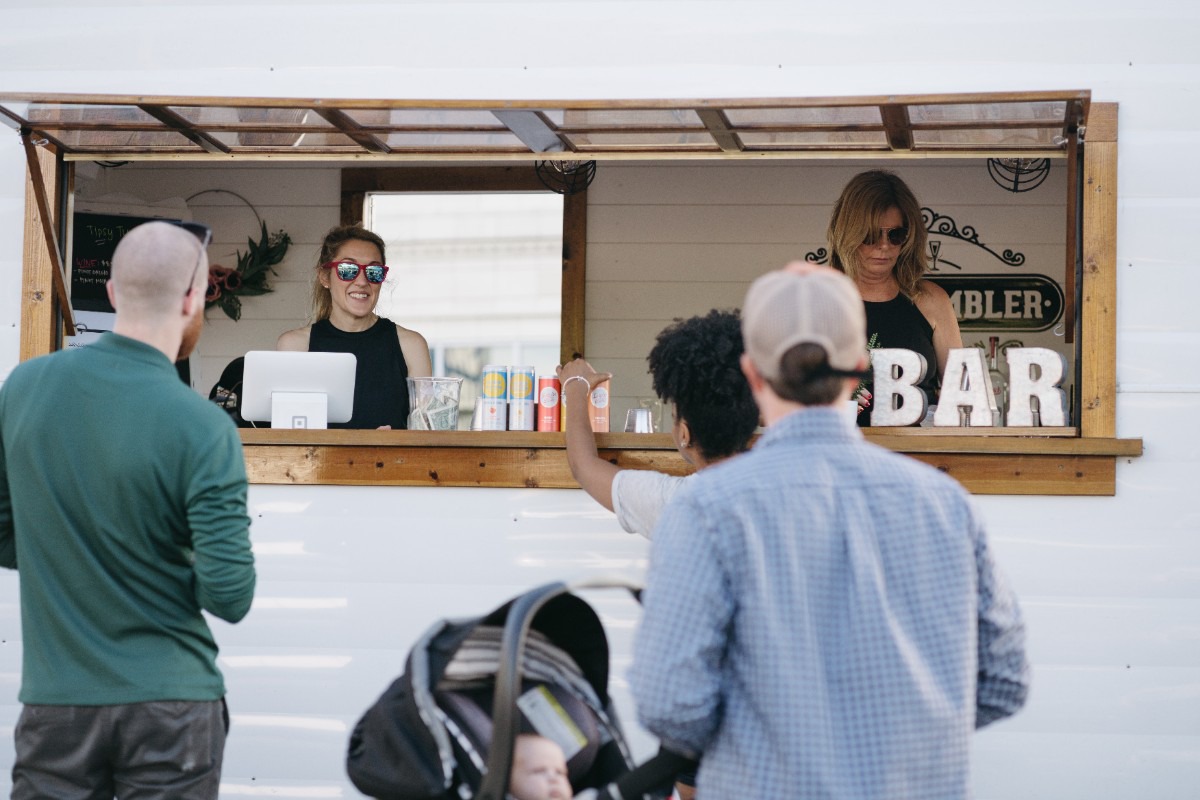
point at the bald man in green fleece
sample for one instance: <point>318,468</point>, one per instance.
<point>123,506</point>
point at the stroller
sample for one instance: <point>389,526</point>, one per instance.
<point>445,729</point>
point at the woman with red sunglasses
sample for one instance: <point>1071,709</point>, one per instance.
<point>345,289</point>
<point>876,236</point>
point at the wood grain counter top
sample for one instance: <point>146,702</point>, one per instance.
<point>1048,461</point>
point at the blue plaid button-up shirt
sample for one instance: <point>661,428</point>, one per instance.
<point>823,619</point>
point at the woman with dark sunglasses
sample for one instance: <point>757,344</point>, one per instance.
<point>876,236</point>
<point>345,289</point>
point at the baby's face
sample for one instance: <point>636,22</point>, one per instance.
<point>539,771</point>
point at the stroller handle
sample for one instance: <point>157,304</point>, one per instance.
<point>607,582</point>
<point>505,716</point>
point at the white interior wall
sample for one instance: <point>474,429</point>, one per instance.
<point>303,200</point>
<point>669,241</point>
<point>664,240</point>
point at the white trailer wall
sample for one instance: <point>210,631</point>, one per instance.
<point>1111,586</point>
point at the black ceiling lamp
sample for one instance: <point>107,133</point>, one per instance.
<point>565,177</point>
<point>561,176</point>
<point>1018,174</point>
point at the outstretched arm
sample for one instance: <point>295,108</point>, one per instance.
<point>593,473</point>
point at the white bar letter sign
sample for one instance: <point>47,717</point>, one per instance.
<point>1024,385</point>
<point>966,386</point>
<point>897,400</point>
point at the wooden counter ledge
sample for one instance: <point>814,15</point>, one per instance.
<point>1053,461</point>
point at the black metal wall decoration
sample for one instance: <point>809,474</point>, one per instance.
<point>1018,174</point>
<point>943,225</point>
<point>940,225</point>
<point>565,177</point>
<point>935,249</point>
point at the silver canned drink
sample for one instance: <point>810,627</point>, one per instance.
<point>495,382</point>
<point>494,414</point>
<point>520,399</point>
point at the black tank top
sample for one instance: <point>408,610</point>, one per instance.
<point>898,323</point>
<point>380,390</point>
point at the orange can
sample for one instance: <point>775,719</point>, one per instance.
<point>598,406</point>
<point>598,411</point>
<point>549,398</point>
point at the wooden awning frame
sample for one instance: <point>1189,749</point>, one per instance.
<point>135,127</point>
<point>50,237</point>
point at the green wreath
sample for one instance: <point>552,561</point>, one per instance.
<point>227,287</point>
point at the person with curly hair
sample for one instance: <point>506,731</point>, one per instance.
<point>876,236</point>
<point>695,369</point>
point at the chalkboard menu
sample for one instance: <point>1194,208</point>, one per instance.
<point>94,238</point>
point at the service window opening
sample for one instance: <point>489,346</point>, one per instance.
<point>478,274</point>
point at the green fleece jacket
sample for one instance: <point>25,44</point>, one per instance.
<point>123,506</point>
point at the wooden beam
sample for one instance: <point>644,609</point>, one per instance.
<point>1098,290</point>
<point>719,129</point>
<point>514,178</point>
<point>573,314</point>
<point>1028,475</point>
<point>1102,123</point>
<point>1000,441</point>
<point>1072,233</point>
<point>184,128</point>
<point>47,302</point>
<point>538,105</point>
<point>897,127</point>
<point>513,459</point>
<point>344,123</point>
<point>358,181</point>
<point>974,441</point>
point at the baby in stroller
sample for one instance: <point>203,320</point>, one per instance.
<point>447,728</point>
<point>539,770</point>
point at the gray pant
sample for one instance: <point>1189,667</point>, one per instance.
<point>166,749</point>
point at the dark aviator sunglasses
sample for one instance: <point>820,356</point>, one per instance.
<point>349,270</point>
<point>895,236</point>
<point>203,234</point>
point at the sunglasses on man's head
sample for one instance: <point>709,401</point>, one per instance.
<point>349,270</point>
<point>896,236</point>
<point>203,234</point>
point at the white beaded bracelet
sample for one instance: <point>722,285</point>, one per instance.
<point>567,382</point>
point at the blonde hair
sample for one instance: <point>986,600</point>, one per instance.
<point>322,302</point>
<point>858,214</point>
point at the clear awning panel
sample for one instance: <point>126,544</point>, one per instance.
<point>995,124</point>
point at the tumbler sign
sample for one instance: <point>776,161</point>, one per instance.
<point>1003,302</point>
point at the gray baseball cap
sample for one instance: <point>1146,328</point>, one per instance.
<point>784,309</point>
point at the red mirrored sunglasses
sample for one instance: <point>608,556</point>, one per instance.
<point>349,270</point>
